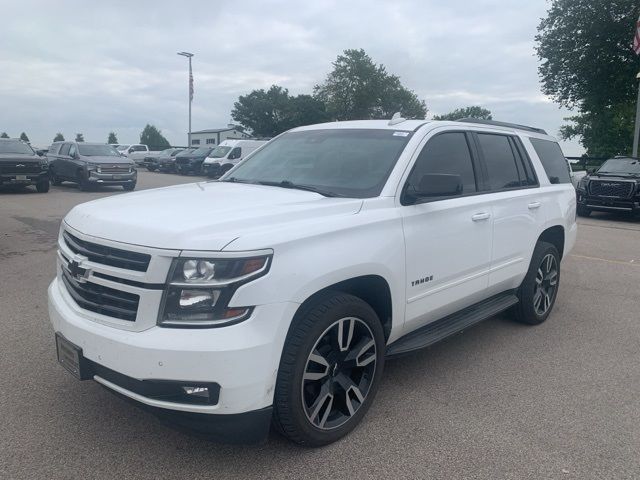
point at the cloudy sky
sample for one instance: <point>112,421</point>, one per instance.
<point>93,67</point>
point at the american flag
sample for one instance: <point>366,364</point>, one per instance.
<point>636,38</point>
<point>190,83</point>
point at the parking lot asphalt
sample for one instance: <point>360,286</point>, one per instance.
<point>501,400</point>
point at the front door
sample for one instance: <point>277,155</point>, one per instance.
<point>447,240</point>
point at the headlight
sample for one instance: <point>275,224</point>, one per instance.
<point>200,289</point>
<point>92,166</point>
<point>582,184</point>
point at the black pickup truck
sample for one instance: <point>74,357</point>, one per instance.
<point>21,166</point>
<point>614,187</point>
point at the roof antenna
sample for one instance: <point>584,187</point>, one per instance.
<point>397,118</point>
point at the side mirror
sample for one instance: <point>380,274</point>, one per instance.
<point>591,171</point>
<point>40,153</point>
<point>436,185</point>
<point>131,150</point>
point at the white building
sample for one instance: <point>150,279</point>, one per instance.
<point>214,136</point>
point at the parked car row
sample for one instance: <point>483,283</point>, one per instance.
<point>210,161</point>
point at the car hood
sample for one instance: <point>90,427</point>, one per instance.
<point>202,216</point>
<point>613,177</point>
<point>17,157</point>
<point>107,159</point>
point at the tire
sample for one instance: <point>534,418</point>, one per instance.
<point>42,186</point>
<point>129,187</point>
<point>583,211</point>
<point>325,386</point>
<point>539,289</point>
<point>224,169</point>
<point>55,179</point>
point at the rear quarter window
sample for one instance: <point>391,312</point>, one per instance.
<point>553,160</point>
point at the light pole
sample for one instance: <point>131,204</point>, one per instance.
<point>636,128</point>
<point>189,55</point>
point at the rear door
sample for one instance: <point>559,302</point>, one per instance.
<point>63,164</point>
<point>447,240</point>
<point>516,202</point>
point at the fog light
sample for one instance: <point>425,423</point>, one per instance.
<point>200,392</point>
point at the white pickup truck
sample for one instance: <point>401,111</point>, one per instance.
<point>275,294</point>
<point>136,152</point>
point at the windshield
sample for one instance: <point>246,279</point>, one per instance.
<point>16,147</point>
<point>97,150</point>
<point>167,152</point>
<point>201,151</point>
<point>343,162</point>
<point>219,152</point>
<point>621,165</point>
<point>122,147</point>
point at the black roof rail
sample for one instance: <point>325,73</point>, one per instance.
<point>502,124</point>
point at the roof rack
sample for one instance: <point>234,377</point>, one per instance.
<point>503,124</point>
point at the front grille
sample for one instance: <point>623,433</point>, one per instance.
<point>183,161</point>
<point>115,169</point>
<point>108,255</point>
<point>100,299</point>
<point>24,168</point>
<point>608,188</point>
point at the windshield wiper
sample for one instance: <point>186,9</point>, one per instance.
<point>236,180</point>
<point>299,186</point>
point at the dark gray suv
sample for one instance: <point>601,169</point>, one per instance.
<point>90,164</point>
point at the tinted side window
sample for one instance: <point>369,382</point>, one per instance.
<point>552,160</point>
<point>501,164</point>
<point>447,153</point>
<point>65,149</point>
<point>528,175</point>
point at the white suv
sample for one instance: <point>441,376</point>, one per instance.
<point>275,293</point>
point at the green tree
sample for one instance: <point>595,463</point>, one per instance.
<point>79,137</point>
<point>58,138</point>
<point>271,112</point>
<point>23,137</point>
<point>112,138</point>
<point>587,64</point>
<point>153,138</point>
<point>357,88</point>
<point>4,135</point>
<point>466,112</point>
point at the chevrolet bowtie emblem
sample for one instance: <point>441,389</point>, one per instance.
<point>77,271</point>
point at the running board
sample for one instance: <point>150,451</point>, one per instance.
<point>441,329</point>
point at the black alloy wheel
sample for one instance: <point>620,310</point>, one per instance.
<point>338,373</point>
<point>546,283</point>
<point>330,369</point>
<point>539,289</point>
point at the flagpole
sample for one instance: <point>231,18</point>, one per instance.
<point>191,100</point>
<point>189,55</point>
<point>636,129</point>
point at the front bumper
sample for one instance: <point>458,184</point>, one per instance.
<point>23,178</point>
<point>111,178</point>
<point>608,204</point>
<point>242,359</point>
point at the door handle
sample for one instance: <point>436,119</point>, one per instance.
<point>534,205</point>
<point>480,216</point>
